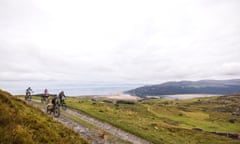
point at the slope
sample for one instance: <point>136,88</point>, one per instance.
<point>21,123</point>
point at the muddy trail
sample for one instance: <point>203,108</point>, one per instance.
<point>95,131</point>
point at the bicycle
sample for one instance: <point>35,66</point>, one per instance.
<point>28,96</point>
<point>44,99</point>
<point>63,104</point>
<point>55,110</point>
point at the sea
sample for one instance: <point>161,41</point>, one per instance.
<point>188,96</point>
<point>70,88</point>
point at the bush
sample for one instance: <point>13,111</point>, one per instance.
<point>232,120</point>
<point>124,102</point>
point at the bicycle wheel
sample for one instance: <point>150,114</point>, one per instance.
<point>49,109</point>
<point>28,98</point>
<point>64,106</point>
<point>56,111</point>
<point>45,101</point>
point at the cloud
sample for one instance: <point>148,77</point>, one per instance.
<point>230,69</point>
<point>124,41</point>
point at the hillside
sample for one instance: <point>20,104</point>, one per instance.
<point>21,123</point>
<point>189,87</point>
<point>163,121</point>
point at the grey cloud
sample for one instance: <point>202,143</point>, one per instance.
<point>230,69</point>
<point>192,40</point>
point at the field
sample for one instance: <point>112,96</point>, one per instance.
<point>168,121</point>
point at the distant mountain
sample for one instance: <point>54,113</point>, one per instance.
<point>188,87</point>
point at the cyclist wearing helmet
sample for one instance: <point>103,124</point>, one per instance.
<point>54,101</point>
<point>61,97</point>
<point>28,93</point>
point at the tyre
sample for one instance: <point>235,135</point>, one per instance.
<point>49,110</point>
<point>44,100</point>
<point>64,106</point>
<point>28,98</point>
<point>56,111</point>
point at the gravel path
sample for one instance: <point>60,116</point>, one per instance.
<point>111,129</point>
<point>94,136</point>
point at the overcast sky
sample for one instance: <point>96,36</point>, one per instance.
<point>130,41</point>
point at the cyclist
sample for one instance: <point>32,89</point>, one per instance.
<point>46,92</point>
<point>28,92</point>
<point>54,101</point>
<point>53,106</point>
<point>61,97</point>
<point>45,95</point>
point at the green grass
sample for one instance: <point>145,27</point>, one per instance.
<point>168,121</point>
<point>21,123</point>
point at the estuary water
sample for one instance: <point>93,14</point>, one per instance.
<point>71,88</point>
